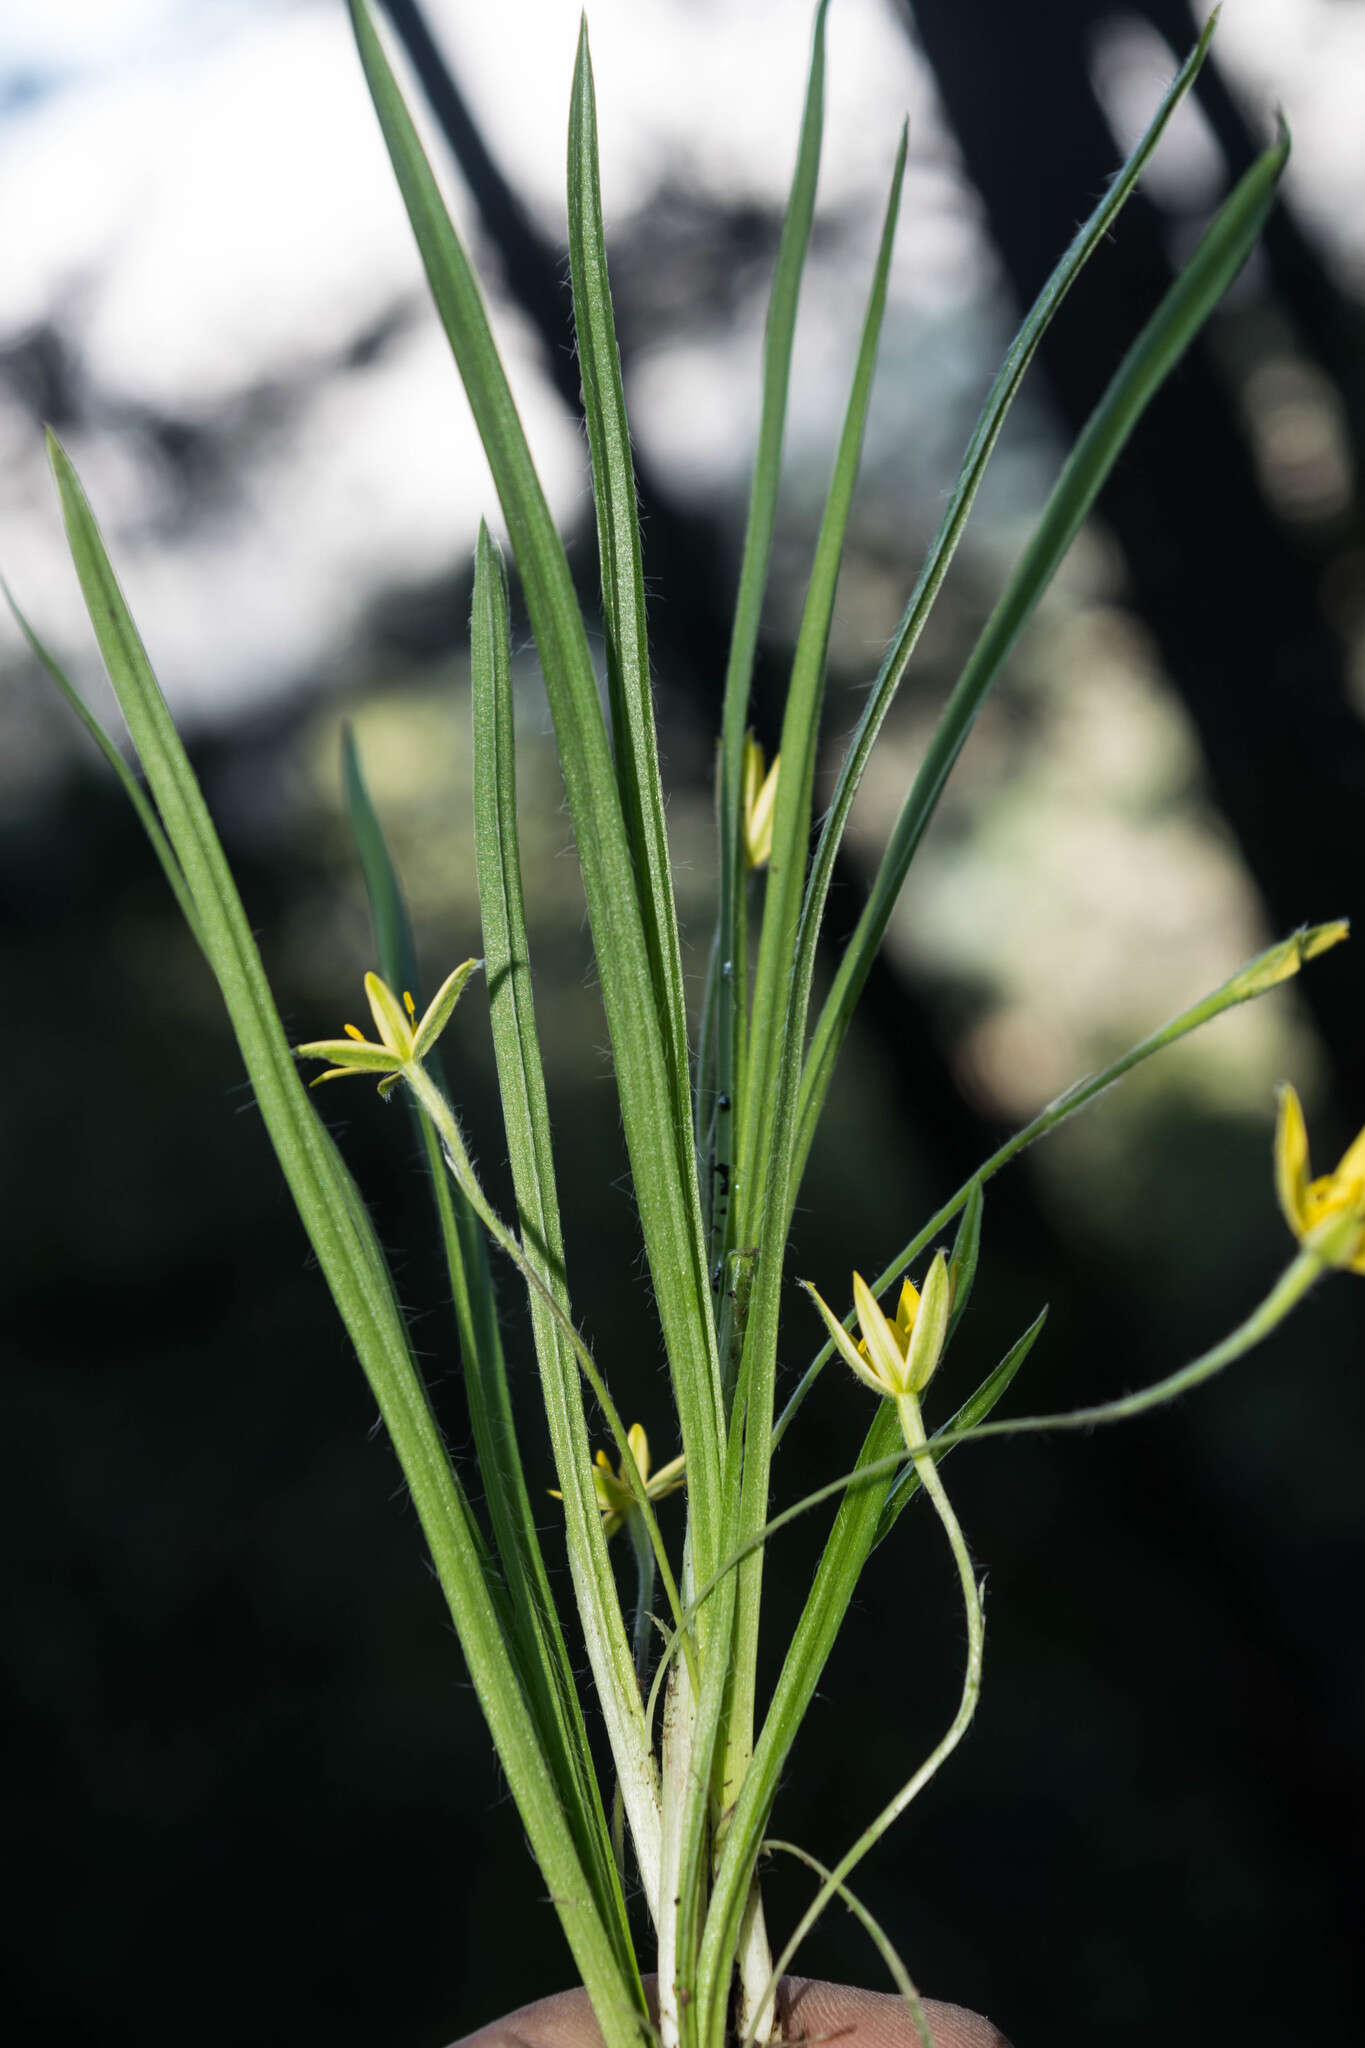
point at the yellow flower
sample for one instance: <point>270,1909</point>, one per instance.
<point>899,1357</point>
<point>404,1041</point>
<point>614,1495</point>
<point>1328,1214</point>
<point>760,799</point>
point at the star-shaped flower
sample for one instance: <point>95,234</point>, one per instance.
<point>897,1357</point>
<point>404,1039</point>
<point>614,1495</point>
<point>1328,1214</point>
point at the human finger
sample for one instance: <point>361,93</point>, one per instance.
<point>811,2013</point>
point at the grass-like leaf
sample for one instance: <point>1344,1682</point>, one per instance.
<point>965,1257</point>
<point>774,1062</point>
<point>635,747</point>
<point>670,1213</point>
<point>132,788</point>
<point>1182,312</point>
<point>721,1080</point>
<point>526,1120</point>
<point>353,1266</point>
<point>984,436</point>
<point>533,1620</point>
<point>768,1041</point>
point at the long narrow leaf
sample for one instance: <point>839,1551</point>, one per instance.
<point>623,592</point>
<point>352,1264</point>
<point>132,788</point>
<point>526,1120</point>
<point>533,1621</point>
<point>982,442</point>
<point>723,1084</point>
<point>984,436</point>
<point>1182,312</point>
<point>800,741</point>
<point>670,1212</point>
<point>769,1090</point>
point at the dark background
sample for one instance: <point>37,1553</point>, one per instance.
<point>252,1795</point>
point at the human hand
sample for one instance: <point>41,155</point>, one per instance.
<point>809,2011</point>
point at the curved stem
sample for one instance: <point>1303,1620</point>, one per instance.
<point>1255,978</point>
<point>885,1946</point>
<point>913,1426</point>
<point>1289,1289</point>
<point>458,1160</point>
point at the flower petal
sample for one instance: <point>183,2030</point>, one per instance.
<point>1352,1166</point>
<point>1291,1161</point>
<point>668,1478</point>
<point>639,1450</point>
<point>907,1308</point>
<point>358,1057</point>
<point>437,1013</point>
<point>847,1349</point>
<point>390,1018</point>
<point>931,1326</point>
<point>879,1335</point>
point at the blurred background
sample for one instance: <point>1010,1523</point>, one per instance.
<point>253,1798</point>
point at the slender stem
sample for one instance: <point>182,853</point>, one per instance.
<point>913,1426</point>
<point>1290,1288</point>
<point>1257,977</point>
<point>458,1160</point>
<point>885,1947</point>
